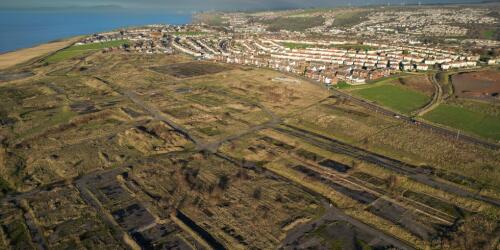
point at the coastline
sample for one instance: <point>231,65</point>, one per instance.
<point>12,58</point>
<point>38,27</point>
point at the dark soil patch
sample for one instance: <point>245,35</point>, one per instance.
<point>132,113</point>
<point>408,220</point>
<point>83,107</point>
<point>439,204</point>
<point>335,234</point>
<point>359,195</point>
<point>337,166</point>
<point>308,155</point>
<point>191,69</point>
<point>133,217</point>
<point>214,243</point>
<point>11,76</point>
<point>277,143</point>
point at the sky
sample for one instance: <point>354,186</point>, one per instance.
<point>207,5</point>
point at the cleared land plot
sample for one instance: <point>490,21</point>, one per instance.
<point>419,83</point>
<point>393,97</point>
<point>484,85</point>
<point>78,50</point>
<point>185,70</point>
<point>466,120</point>
<point>335,235</point>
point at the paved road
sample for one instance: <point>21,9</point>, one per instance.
<point>433,128</point>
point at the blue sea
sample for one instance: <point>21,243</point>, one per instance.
<point>27,28</point>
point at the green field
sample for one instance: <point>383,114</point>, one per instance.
<point>481,124</point>
<point>293,23</point>
<point>488,34</point>
<point>393,97</point>
<point>342,85</point>
<point>77,50</point>
<point>349,18</point>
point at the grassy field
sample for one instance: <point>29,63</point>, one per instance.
<point>488,34</point>
<point>349,18</point>
<point>342,85</point>
<point>294,23</point>
<point>466,120</point>
<point>77,50</point>
<point>393,97</point>
<point>211,19</point>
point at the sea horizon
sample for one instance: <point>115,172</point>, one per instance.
<point>21,28</point>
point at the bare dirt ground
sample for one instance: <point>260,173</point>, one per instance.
<point>218,156</point>
<point>484,85</point>
<point>16,57</point>
<point>185,70</point>
<point>419,83</point>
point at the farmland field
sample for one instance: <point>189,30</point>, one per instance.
<point>484,125</point>
<point>77,50</point>
<point>393,97</point>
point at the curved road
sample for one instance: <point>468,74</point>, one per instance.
<point>437,97</point>
<point>434,128</point>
